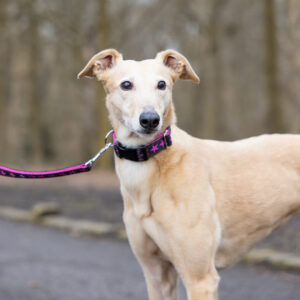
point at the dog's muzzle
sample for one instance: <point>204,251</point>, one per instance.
<point>149,120</point>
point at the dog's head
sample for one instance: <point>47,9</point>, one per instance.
<point>139,93</point>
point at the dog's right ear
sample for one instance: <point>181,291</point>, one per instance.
<point>100,63</point>
<point>178,64</point>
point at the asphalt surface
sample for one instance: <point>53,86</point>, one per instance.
<point>42,264</point>
<point>96,196</point>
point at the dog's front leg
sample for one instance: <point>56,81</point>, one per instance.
<point>200,279</point>
<point>161,276</point>
<point>195,263</point>
<point>197,268</point>
<point>205,289</point>
<point>193,236</point>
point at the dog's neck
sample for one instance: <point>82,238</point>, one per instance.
<point>139,179</point>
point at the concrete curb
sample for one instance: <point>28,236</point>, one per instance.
<point>275,259</point>
<point>83,227</point>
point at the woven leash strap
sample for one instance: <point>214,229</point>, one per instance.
<point>45,174</point>
<point>84,167</point>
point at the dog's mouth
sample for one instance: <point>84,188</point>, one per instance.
<point>146,132</point>
<point>139,132</point>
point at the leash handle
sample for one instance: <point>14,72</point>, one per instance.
<point>45,174</point>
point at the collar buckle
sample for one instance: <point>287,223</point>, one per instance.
<point>142,154</point>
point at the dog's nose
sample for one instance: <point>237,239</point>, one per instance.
<point>149,120</point>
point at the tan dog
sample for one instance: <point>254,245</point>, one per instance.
<point>199,205</point>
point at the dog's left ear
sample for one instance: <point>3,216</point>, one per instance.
<point>178,64</point>
<point>100,63</point>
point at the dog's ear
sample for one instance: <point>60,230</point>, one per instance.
<point>178,64</point>
<point>100,63</point>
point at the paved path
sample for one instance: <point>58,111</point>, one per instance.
<point>96,196</point>
<point>42,264</point>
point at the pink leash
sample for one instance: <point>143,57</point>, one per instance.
<point>45,174</point>
<point>85,167</point>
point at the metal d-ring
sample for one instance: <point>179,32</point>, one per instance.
<point>107,136</point>
<point>106,147</point>
<point>165,137</point>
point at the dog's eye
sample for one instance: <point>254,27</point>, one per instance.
<point>126,85</point>
<point>161,85</point>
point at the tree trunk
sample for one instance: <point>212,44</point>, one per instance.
<point>213,107</point>
<point>3,70</point>
<point>102,122</point>
<point>274,117</point>
<point>33,78</point>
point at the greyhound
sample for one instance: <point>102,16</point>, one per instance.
<point>196,205</point>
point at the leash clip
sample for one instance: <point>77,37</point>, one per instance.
<point>165,137</point>
<point>104,149</point>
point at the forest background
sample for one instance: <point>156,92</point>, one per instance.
<point>246,52</point>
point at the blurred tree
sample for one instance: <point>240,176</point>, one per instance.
<point>288,43</point>
<point>33,81</point>
<point>105,41</point>
<point>274,117</point>
<point>246,53</point>
<point>213,108</point>
<point>3,69</point>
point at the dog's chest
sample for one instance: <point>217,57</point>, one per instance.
<point>137,183</point>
